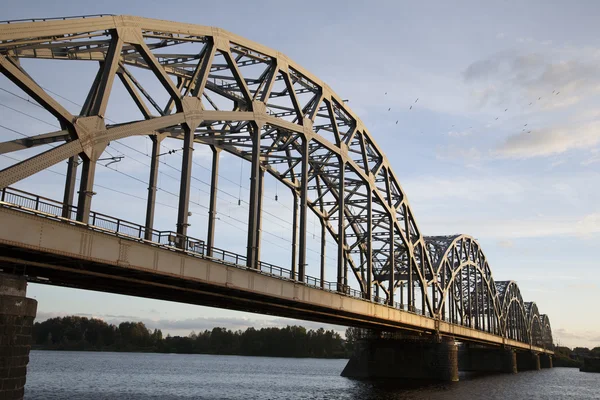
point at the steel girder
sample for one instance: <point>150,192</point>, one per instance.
<point>238,96</point>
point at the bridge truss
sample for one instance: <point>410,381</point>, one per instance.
<point>239,97</point>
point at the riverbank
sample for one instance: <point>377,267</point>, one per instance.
<point>83,334</point>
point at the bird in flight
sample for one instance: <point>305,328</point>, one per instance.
<point>557,93</point>
<point>506,109</point>
<point>417,100</point>
<point>396,122</point>
<point>410,108</point>
<point>389,108</point>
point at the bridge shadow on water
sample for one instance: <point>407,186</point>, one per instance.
<point>397,389</point>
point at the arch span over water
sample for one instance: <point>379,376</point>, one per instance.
<point>237,96</point>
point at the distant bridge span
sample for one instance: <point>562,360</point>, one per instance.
<point>237,96</point>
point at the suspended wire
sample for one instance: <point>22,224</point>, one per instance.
<point>162,204</point>
<point>163,162</point>
<point>134,149</point>
<point>240,201</point>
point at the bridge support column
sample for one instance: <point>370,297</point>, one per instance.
<point>212,211</point>
<point>408,358</point>
<point>545,360</point>
<point>70,182</point>
<point>16,321</point>
<point>476,358</point>
<point>528,361</point>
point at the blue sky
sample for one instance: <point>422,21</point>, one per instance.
<point>503,144</point>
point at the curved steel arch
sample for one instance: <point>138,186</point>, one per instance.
<point>546,332</point>
<point>515,322</point>
<point>464,279</point>
<point>536,330</point>
<point>243,98</point>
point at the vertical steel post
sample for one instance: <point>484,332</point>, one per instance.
<point>212,210</point>
<point>341,259</point>
<point>423,298</point>
<point>184,185</point>
<point>476,300</point>
<point>303,211</point>
<point>469,297</point>
<point>409,287</point>
<point>295,235</point>
<point>462,298</point>
<point>323,242</point>
<point>369,254</point>
<point>443,310</point>
<point>489,314</point>
<point>392,263</point>
<point>151,200</point>
<point>86,190</point>
<point>70,187</point>
<point>402,295</point>
<point>251,259</point>
<point>261,185</point>
<point>451,303</point>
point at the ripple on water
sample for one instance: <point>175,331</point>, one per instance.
<point>95,376</point>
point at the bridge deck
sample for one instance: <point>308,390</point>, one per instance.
<point>53,250</point>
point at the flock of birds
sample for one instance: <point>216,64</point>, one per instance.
<point>410,108</point>
<point>554,93</point>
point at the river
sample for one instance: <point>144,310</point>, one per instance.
<point>95,376</point>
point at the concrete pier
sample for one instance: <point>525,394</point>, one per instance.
<point>528,361</point>
<point>16,321</point>
<point>590,364</point>
<point>545,361</point>
<point>476,358</point>
<point>409,358</point>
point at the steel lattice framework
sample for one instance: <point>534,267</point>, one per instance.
<point>240,97</point>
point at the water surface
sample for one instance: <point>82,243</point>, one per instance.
<point>95,376</point>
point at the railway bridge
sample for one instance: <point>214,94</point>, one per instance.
<point>428,306</point>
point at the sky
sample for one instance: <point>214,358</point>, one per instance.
<point>503,143</point>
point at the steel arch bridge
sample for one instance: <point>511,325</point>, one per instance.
<point>240,97</point>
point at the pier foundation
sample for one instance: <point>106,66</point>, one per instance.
<point>407,357</point>
<point>16,322</point>
<point>528,361</point>
<point>476,358</point>
<point>545,361</point>
<point>590,364</point>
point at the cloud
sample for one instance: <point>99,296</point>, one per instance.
<point>563,334</point>
<point>549,141</point>
<point>467,155</point>
<point>576,74</point>
<point>466,132</point>
<point>588,225</point>
<point>475,189</point>
<point>507,243</point>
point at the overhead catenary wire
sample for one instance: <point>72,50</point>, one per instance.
<point>140,180</point>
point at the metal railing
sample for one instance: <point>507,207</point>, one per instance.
<point>12,21</point>
<point>28,202</point>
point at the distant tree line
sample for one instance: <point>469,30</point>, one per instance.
<point>80,333</point>
<point>565,357</point>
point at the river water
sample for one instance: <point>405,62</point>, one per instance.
<point>94,376</point>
